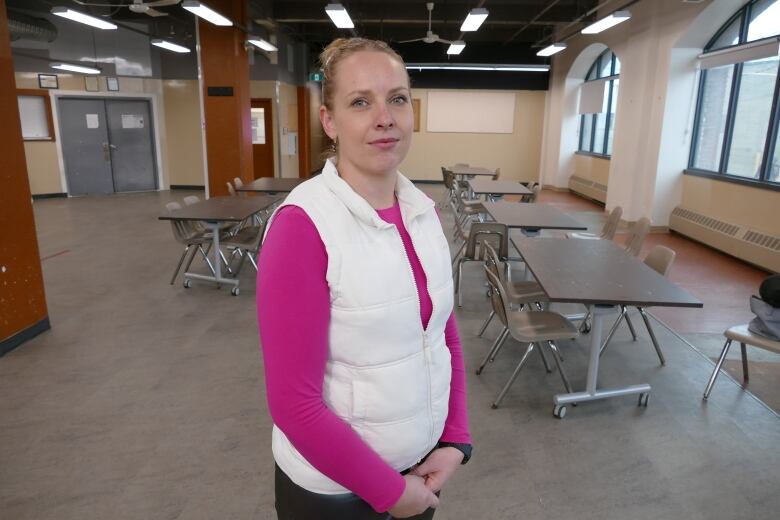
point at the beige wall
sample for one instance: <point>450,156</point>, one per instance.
<point>517,154</point>
<point>43,169</point>
<point>745,205</point>
<point>592,168</point>
<point>319,141</point>
<point>183,139</point>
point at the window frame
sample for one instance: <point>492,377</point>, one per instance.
<point>596,67</point>
<point>42,93</point>
<point>773,125</point>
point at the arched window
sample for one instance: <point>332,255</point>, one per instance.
<point>737,115</point>
<point>597,129</point>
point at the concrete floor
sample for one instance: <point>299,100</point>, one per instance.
<point>146,401</point>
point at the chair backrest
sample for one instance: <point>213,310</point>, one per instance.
<point>637,236</point>
<point>172,206</point>
<point>448,177</point>
<point>497,174</point>
<point>231,189</point>
<point>491,260</point>
<point>189,200</point>
<point>498,297</point>
<point>535,194</point>
<point>238,182</point>
<point>482,233</point>
<point>611,225</point>
<point>181,230</point>
<point>461,164</point>
<point>660,259</point>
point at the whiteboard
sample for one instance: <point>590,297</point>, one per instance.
<point>472,112</point>
<point>32,112</point>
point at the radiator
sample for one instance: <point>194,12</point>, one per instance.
<point>750,245</point>
<point>591,189</point>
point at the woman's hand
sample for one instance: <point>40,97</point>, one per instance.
<point>439,467</point>
<point>415,499</point>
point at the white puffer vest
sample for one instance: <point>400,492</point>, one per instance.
<point>385,376</point>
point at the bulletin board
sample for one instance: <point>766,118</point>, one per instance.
<point>471,112</point>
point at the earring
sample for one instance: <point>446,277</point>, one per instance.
<point>334,145</point>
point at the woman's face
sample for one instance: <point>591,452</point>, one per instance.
<point>371,112</point>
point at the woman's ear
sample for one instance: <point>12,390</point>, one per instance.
<point>327,123</point>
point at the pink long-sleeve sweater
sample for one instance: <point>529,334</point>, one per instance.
<point>293,313</point>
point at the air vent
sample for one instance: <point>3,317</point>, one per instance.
<point>588,188</point>
<point>750,245</point>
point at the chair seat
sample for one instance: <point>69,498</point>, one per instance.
<point>246,238</point>
<point>586,236</point>
<point>532,327</point>
<point>525,292</point>
<point>742,334</point>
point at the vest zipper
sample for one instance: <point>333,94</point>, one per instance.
<point>426,346</point>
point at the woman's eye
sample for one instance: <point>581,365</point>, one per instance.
<point>359,103</point>
<point>399,100</point>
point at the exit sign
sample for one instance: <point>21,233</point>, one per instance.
<point>315,76</point>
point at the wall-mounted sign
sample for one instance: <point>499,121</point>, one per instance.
<point>219,91</point>
<point>112,84</point>
<point>316,76</point>
<point>48,81</point>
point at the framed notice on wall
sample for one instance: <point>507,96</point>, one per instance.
<point>48,81</point>
<point>112,84</point>
<point>416,109</point>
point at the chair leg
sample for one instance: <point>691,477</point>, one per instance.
<point>745,376</point>
<point>485,325</point>
<point>630,324</point>
<point>181,260</point>
<point>612,330</point>
<point>494,348</point>
<point>584,324</point>
<point>460,280</point>
<point>652,336</point>
<point>513,377</point>
<point>715,372</point>
<point>206,258</point>
<point>455,258</point>
<point>544,359</point>
<point>557,357</point>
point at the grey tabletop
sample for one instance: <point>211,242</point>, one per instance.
<point>531,216</point>
<point>471,170</point>
<point>498,187</point>
<point>271,185</point>
<point>222,209</point>
<point>598,272</point>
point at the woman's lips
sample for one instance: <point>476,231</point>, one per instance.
<point>384,144</point>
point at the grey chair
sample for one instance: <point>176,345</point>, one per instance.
<point>531,327</point>
<point>467,209</point>
<point>479,233</point>
<point>607,232</point>
<point>187,235</point>
<point>519,294</point>
<point>246,244</point>
<point>637,235</point>
<point>660,260</point>
<point>231,190</point>
<point>745,337</point>
<point>534,187</point>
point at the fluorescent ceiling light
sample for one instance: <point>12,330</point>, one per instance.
<point>198,9</point>
<point>605,23</point>
<point>170,46</point>
<point>75,68</point>
<point>478,67</point>
<point>76,16</point>
<point>338,13</point>
<point>261,43</point>
<point>551,49</point>
<point>474,19</point>
<point>456,47</point>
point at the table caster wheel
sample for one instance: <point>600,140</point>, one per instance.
<point>494,406</point>
<point>559,411</point>
<point>234,291</point>
<point>187,283</point>
<point>644,397</point>
<point>479,371</point>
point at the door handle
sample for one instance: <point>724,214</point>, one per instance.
<point>113,146</point>
<point>106,152</point>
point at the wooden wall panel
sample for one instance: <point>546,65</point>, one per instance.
<point>22,298</point>
<point>225,63</point>
<point>304,133</point>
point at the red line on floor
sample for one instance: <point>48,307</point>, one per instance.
<point>55,254</point>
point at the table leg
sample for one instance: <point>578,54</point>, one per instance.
<point>591,392</point>
<point>217,278</point>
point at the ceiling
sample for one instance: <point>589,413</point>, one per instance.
<point>507,36</point>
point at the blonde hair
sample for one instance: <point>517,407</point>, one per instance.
<point>337,51</point>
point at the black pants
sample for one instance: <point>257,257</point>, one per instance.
<point>296,503</point>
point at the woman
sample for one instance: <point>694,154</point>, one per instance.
<point>364,370</point>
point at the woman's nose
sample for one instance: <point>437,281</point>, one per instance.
<point>383,118</point>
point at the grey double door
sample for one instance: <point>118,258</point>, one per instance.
<point>107,145</point>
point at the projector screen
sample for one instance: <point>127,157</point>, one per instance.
<point>471,112</point>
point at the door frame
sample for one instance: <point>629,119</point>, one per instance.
<point>156,118</point>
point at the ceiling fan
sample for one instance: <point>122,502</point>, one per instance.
<point>430,37</point>
<point>137,6</point>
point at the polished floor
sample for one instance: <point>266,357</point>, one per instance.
<point>146,400</point>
